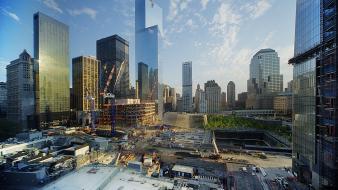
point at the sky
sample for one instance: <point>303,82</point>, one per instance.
<point>218,36</point>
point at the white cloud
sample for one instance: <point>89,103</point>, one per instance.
<point>204,4</point>
<point>176,6</point>
<point>223,51</point>
<point>86,11</point>
<point>166,40</point>
<point>224,18</point>
<point>190,24</point>
<point>184,4</point>
<point>53,5</point>
<point>267,40</point>
<point>225,26</point>
<point>10,14</point>
<point>257,8</point>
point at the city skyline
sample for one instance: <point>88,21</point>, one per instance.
<point>169,94</point>
<point>177,26</point>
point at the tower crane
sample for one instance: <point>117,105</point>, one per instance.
<point>111,96</point>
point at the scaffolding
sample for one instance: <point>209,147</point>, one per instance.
<point>128,114</point>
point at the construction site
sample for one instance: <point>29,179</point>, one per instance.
<point>128,113</point>
<point>127,146</point>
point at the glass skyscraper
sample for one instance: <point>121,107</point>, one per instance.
<point>143,78</point>
<point>314,94</point>
<point>112,51</point>
<point>51,49</point>
<point>231,95</point>
<point>265,79</point>
<point>148,29</point>
<point>187,86</point>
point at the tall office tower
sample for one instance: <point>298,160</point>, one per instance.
<point>85,82</point>
<point>166,90</point>
<point>187,86</point>
<point>231,95</point>
<point>20,97</point>
<point>143,81</point>
<point>172,95</point>
<point>314,134</point>
<point>212,96</point>
<point>3,99</point>
<point>169,98</point>
<point>197,97</point>
<point>241,100</point>
<point>112,51</point>
<point>202,102</point>
<point>223,100</point>
<point>252,100</point>
<point>289,86</point>
<point>265,76</point>
<point>51,50</point>
<point>148,29</point>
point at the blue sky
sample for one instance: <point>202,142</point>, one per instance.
<point>218,36</point>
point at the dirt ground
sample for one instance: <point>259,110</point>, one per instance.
<point>272,161</point>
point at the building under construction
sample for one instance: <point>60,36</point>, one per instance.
<point>128,112</point>
<point>315,136</point>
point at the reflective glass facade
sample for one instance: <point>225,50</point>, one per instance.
<point>304,110</point>
<point>148,28</point>
<point>143,78</point>
<point>315,145</point>
<point>265,79</point>
<point>51,49</point>
<point>307,25</point>
<point>265,68</point>
<point>112,51</point>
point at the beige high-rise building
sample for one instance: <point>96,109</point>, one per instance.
<point>85,82</point>
<point>212,96</point>
<point>282,103</point>
<point>231,95</point>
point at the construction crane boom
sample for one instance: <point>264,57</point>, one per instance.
<point>111,95</point>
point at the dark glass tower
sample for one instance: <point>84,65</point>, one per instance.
<point>112,51</point>
<point>143,78</point>
<point>51,50</point>
<point>315,116</point>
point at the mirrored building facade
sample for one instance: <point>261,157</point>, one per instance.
<point>112,51</point>
<point>148,29</point>
<point>51,50</point>
<point>265,79</point>
<point>315,138</point>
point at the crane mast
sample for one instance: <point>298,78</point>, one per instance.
<point>111,96</point>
